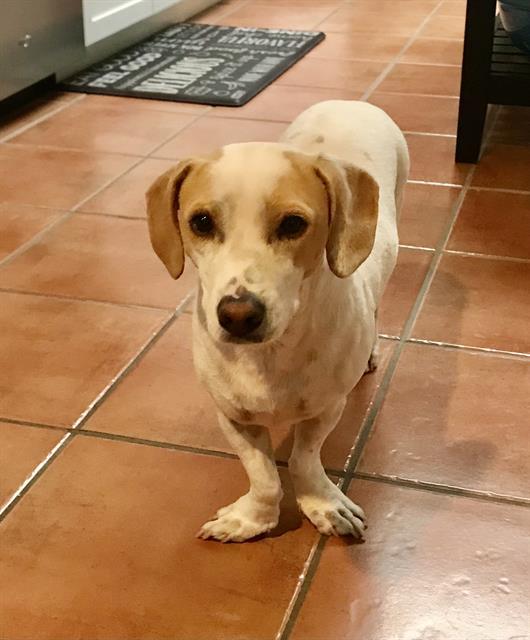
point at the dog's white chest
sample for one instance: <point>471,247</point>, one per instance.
<point>274,386</point>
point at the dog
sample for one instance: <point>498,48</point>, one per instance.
<point>294,243</point>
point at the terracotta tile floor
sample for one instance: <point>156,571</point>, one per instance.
<point>110,457</point>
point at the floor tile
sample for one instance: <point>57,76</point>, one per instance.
<point>479,303</point>
<point>332,74</point>
<point>58,355</point>
<point>213,14</point>
<point>367,20</point>
<point>145,404</point>
<point>21,450</point>
<point>422,7</point>
<point>114,129</point>
<point>423,79</point>
<point>121,523</point>
<point>504,167</point>
<point>283,104</point>
<point>356,46</point>
<point>433,566</point>
<point>426,114</point>
<point>435,51</point>
<point>511,126</point>
<point>443,26</point>
<point>208,134</point>
<point>426,213</point>
<point>19,223</point>
<point>38,108</point>
<point>402,290</point>
<point>494,223</point>
<point>126,195</point>
<point>432,159</point>
<point>452,8</point>
<point>81,174</point>
<point>446,419</point>
<point>260,14</point>
<point>97,258</point>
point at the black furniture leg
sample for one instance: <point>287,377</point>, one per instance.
<point>478,44</point>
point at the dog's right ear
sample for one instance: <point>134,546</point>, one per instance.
<point>162,200</point>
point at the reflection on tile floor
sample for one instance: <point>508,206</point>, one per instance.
<point>96,540</point>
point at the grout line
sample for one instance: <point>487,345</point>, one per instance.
<point>302,586</point>
<point>159,444</point>
<point>133,362</point>
<point>445,489</point>
<point>56,296</point>
<point>129,169</point>
<point>364,433</point>
<point>332,12</point>
<point>416,95</point>
<point>435,184</point>
<point>30,480</point>
<point>103,435</point>
<point>519,355</point>
<point>366,428</point>
<point>386,336</point>
<point>34,239</point>
<point>51,147</point>
<point>305,580</point>
<point>28,423</point>
<point>415,248</point>
<point>377,82</point>
<point>521,192</point>
<point>76,207</point>
<point>39,470</point>
<point>45,116</point>
<point>485,256</point>
<point>429,134</point>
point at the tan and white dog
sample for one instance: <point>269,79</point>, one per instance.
<point>294,243</point>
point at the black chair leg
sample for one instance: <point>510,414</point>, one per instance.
<point>478,45</point>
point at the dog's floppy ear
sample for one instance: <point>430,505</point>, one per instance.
<point>162,200</point>
<point>353,197</point>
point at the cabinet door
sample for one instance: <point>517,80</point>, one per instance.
<point>102,18</point>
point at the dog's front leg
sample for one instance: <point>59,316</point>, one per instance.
<point>319,499</point>
<point>258,510</point>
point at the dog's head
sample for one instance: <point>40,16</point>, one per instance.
<point>256,219</point>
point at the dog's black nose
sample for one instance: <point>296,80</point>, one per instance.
<point>241,316</point>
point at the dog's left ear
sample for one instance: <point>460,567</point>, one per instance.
<point>353,197</point>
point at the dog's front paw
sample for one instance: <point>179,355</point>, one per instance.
<point>333,513</point>
<point>240,521</point>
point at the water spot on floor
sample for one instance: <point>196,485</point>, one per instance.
<point>503,588</point>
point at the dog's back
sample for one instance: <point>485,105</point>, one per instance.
<point>359,133</point>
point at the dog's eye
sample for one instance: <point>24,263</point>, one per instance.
<point>202,224</point>
<point>292,226</point>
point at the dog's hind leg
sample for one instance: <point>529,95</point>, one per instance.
<point>321,501</point>
<point>258,510</point>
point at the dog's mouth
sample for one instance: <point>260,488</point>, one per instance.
<point>249,339</point>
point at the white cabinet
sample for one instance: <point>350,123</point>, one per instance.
<point>160,5</point>
<point>102,18</point>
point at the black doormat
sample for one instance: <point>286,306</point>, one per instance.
<point>200,63</point>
